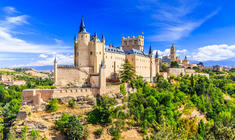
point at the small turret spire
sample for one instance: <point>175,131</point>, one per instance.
<point>102,39</point>
<point>95,35</point>
<point>55,60</point>
<point>150,49</point>
<point>82,27</point>
<point>185,57</point>
<point>102,65</point>
<point>156,55</point>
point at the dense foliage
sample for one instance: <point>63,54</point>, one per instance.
<point>11,96</point>
<point>163,110</point>
<point>174,64</point>
<point>71,127</point>
<point>150,106</point>
<point>102,113</point>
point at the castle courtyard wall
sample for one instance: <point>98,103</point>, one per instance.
<point>67,75</point>
<point>38,96</point>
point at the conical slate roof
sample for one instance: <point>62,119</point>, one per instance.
<point>82,27</point>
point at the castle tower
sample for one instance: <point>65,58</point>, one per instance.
<point>102,78</point>
<point>185,61</point>
<point>151,62</point>
<point>133,43</point>
<point>55,71</point>
<point>103,41</point>
<point>157,63</point>
<point>75,51</point>
<point>83,47</point>
<point>97,50</point>
<point>173,53</point>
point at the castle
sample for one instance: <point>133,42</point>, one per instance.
<point>95,62</point>
<point>91,56</point>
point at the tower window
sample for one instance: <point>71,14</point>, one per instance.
<point>90,53</point>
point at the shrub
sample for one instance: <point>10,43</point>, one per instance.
<point>35,134</point>
<point>98,132</point>
<point>71,103</point>
<point>99,115</point>
<point>53,105</point>
<point>115,132</point>
<point>122,89</point>
<point>102,113</point>
<point>71,127</point>
<point>24,132</point>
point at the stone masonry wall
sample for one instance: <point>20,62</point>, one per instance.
<point>39,96</point>
<point>176,71</point>
<point>73,75</point>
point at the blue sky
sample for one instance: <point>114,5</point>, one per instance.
<point>33,31</point>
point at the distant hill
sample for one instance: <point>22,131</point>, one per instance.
<point>42,68</point>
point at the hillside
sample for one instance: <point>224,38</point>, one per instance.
<point>181,107</point>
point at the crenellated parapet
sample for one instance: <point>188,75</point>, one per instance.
<point>133,43</point>
<point>40,96</point>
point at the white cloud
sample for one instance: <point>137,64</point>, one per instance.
<point>167,52</point>
<point>43,56</point>
<point>10,10</point>
<point>174,20</point>
<point>61,59</point>
<point>58,41</point>
<point>18,20</point>
<point>214,53</point>
<point>9,43</point>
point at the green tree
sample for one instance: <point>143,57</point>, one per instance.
<point>35,134</point>
<point>53,105</point>
<point>102,113</point>
<point>164,68</point>
<point>127,73</point>
<point>71,127</point>
<point>174,64</point>
<point>72,103</point>
<point>200,63</point>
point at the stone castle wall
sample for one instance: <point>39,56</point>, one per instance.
<point>176,71</point>
<point>72,75</point>
<point>113,63</point>
<point>39,96</point>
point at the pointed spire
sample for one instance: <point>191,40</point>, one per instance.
<point>82,27</point>
<point>95,35</point>
<point>103,39</point>
<point>55,60</point>
<point>102,65</point>
<point>173,46</point>
<point>75,38</point>
<point>150,49</point>
<point>156,55</point>
<point>185,57</point>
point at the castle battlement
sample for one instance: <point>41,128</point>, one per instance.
<point>133,37</point>
<point>39,96</point>
<point>66,66</point>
